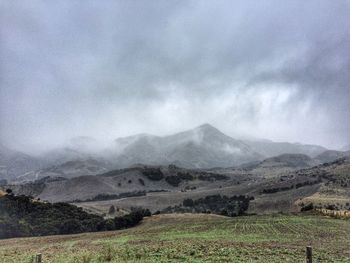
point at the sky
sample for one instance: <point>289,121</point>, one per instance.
<point>278,70</point>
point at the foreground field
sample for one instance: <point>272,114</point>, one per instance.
<point>195,238</point>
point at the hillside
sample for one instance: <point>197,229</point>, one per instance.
<point>68,169</point>
<point>294,161</point>
<point>23,216</point>
<point>331,155</point>
<point>275,186</point>
<point>269,148</point>
<point>14,163</point>
<point>195,238</point>
<point>274,166</point>
<point>133,181</point>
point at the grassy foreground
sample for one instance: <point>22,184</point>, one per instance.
<point>195,238</point>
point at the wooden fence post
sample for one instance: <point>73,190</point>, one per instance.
<point>308,254</point>
<point>38,258</point>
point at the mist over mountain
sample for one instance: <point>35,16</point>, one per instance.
<point>14,163</point>
<point>201,147</point>
<point>345,148</point>
<point>269,148</point>
<point>112,69</point>
<point>167,117</point>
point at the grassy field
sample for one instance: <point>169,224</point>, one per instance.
<point>195,238</point>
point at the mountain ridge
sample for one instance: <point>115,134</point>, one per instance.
<point>204,146</point>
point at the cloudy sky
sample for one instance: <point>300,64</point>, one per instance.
<point>268,69</point>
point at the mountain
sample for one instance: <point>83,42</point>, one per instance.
<point>331,155</point>
<point>201,147</point>
<point>79,156</point>
<point>83,144</point>
<point>269,148</point>
<point>346,148</point>
<point>288,160</point>
<point>274,167</point>
<point>13,163</point>
<point>68,169</point>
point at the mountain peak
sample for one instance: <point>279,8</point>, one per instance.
<point>206,127</point>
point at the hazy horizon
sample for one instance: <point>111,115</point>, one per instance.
<point>109,69</point>
<point>96,145</point>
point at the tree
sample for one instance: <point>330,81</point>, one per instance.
<point>188,202</point>
<point>111,210</point>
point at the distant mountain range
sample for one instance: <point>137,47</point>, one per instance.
<point>202,147</point>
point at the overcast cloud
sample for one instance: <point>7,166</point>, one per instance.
<point>269,69</point>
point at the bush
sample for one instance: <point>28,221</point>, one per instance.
<point>142,182</point>
<point>307,207</point>
<point>111,210</point>
<point>154,174</point>
<point>173,180</point>
<point>188,202</point>
<point>217,204</point>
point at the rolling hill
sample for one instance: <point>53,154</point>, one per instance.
<point>269,148</point>
<point>275,184</point>
<point>195,238</point>
<point>331,155</point>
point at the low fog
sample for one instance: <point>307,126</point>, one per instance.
<point>106,69</point>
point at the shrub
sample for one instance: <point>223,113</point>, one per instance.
<point>173,180</point>
<point>307,207</point>
<point>154,174</point>
<point>188,202</point>
<point>142,182</point>
<point>230,206</point>
<point>111,210</point>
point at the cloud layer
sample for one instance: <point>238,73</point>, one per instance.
<point>114,68</point>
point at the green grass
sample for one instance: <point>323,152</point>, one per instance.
<point>196,238</point>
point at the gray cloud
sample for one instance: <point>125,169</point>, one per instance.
<point>112,68</point>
